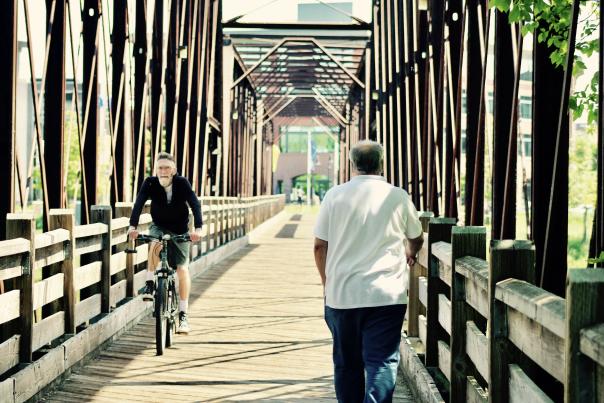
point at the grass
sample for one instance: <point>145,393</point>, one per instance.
<point>579,234</point>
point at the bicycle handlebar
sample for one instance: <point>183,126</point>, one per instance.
<point>150,238</point>
<point>167,237</point>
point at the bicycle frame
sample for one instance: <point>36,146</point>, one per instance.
<point>166,299</point>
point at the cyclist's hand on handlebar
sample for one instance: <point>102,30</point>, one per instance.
<point>195,235</point>
<point>132,233</point>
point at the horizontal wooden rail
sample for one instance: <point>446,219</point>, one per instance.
<point>487,327</point>
<point>592,343</point>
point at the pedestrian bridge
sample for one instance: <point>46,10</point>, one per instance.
<point>92,91</point>
<point>257,316</point>
<point>75,329</point>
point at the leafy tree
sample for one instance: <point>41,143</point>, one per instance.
<point>73,161</point>
<point>583,165</point>
<point>550,21</point>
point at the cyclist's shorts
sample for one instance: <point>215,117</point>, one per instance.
<point>178,252</point>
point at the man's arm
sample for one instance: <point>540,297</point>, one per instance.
<point>412,248</point>
<point>321,257</point>
<point>193,202</point>
<point>141,199</point>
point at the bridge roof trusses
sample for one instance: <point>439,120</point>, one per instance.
<point>299,74</point>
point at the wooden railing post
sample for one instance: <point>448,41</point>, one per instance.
<point>439,231</point>
<point>211,224</point>
<point>415,272</point>
<point>225,221</point>
<point>584,296</point>
<point>424,218</point>
<point>509,259</point>
<point>23,225</point>
<point>229,206</point>
<point>102,214</point>
<point>218,226</point>
<point>240,217</point>
<point>65,219</point>
<point>465,241</point>
<point>245,213</point>
<point>124,209</point>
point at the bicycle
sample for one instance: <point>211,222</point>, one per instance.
<point>166,298</point>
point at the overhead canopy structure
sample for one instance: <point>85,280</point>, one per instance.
<point>300,72</point>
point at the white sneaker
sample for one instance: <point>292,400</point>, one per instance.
<point>183,324</point>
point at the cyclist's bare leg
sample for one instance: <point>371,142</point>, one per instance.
<point>184,288</point>
<point>152,263</point>
<point>153,258</point>
<point>184,282</point>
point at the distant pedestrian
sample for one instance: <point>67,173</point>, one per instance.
<point>363,263</point>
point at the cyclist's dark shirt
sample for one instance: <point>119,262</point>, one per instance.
<point>173,216</point>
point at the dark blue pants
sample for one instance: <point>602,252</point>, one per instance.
<point>365,351</point>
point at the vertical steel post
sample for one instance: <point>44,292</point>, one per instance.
<point>437,35</point>
<point>183,81</point>
<point>8,92</point>
<point>156,75</point>
<point>171,73</point>
<point>118,98</point>
<point>556,228</point>
<point>503,98</point>
<point>597,238</point>
<point>54,107</point>
<point>547,87</point>
<point>423,101</point>
<point>90,34</point>
<point>456,21</point>
<point>475,112</point>
<point>140,71</point>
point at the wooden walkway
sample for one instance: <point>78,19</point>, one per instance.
<point>258,335</point>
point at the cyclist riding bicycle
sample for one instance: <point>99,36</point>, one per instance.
<point>169,193</point>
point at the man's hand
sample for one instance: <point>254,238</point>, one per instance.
<point>412,247</point>
<point>195,235</point>
<point>132,233</point>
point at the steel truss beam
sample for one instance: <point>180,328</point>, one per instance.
<point>300,26</point>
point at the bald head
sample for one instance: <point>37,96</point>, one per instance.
<point>367,157</point>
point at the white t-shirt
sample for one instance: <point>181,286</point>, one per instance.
<point>364,222</point>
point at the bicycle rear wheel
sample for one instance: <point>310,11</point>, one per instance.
<point>161,295</point>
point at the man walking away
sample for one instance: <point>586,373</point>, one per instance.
<point>362,260</point>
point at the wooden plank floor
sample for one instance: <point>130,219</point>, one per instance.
<point>258,335</point>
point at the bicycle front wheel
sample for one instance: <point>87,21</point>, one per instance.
<point>172,314</point>
<point>161,295</point>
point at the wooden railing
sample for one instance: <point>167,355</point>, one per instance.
<point>56,283</point>
<point>489,334</point>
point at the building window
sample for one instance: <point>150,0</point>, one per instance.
<point>525,107</point>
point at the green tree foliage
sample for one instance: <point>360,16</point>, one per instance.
<point>583,166</point>
<point>73,158</point>
<point>550,21</point>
